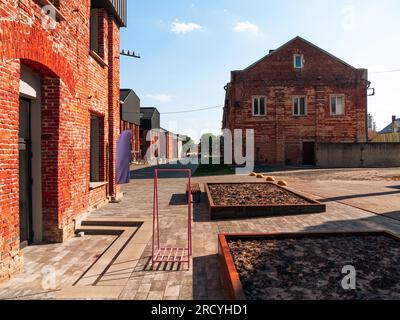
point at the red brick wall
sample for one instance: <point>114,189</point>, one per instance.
<point>135,129</point>
<point>97,196</point>
<point>279,135</point>
<point>11,259</point>
<point>74,84</point>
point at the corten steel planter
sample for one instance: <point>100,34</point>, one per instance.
<point>251,211</point>
<point>231,277</point>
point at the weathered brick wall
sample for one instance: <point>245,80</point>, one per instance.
<point>279,135</point>
<point>74,85</point>
<point>11,259</point>
<point>97,197</point>
<point>113,100</point>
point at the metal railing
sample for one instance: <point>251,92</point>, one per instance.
<point>117,7</point>
<point>120,7</point>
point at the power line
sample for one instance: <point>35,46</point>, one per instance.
<point>193,110</point>
<point>387,71</point>
<point>183,111</point>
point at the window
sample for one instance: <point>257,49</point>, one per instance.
<point>298,61</point>
<point>98,32</point>
<point>300,106</point>
<point>94,30</point>
<point>337,105</point>
<point>259,106</point>
<point>96,148</point>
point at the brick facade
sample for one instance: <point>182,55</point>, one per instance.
<point>279,135</point>
<point>135,130</point>
<point>74,84</point>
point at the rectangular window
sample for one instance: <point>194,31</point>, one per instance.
<point>300,106</point>
<point>259,106</point>
<point>96,148</point>
<point>298,61</point>
<point>98,33</point>
<point>94,30</point>
<point>337,105</point>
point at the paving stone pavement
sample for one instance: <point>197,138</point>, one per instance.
<point>203,280</point>
<point>66,262</point>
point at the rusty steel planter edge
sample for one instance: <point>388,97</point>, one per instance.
<point>229,272</point>
<point>314,206</point>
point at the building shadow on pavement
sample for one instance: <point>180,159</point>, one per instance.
<point>178,199</point>
<point>364,195</point>
<point>148,171</point>
<point>207,280</point>
<point>200,210</point>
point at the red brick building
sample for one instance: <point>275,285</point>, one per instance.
<point>174,145</point>
<point>59,119</point>
<point>294,98</point>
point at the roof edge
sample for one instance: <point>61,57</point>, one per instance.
<point>289,42</point>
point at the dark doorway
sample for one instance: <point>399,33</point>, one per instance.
<point>309,153</point>
<point>25,173</point>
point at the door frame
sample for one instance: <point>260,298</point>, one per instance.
<point>314,153</point>
<point>29,180</point>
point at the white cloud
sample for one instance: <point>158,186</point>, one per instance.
<point>246,26</point>
<point>184,27</point>
<point>160,97</point>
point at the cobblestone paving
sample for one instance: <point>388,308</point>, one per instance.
<point>68,260</point>
<point>203,281</point>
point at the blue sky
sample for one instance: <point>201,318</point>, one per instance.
<point>188,49</point>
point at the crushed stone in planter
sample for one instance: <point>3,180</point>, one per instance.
<point>311,268</point>
<point>257,194</point>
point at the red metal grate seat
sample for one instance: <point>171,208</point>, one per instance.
<point>170,254</point>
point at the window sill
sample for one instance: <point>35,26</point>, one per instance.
<point>59,15</point>
<point>337,115</point>
<point>97,185</point>
<point>99,59</point>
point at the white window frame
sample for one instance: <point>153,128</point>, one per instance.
<point>305,106</point>
<point>265,107</point>
<point>302,61</point>
<point>335,96</point>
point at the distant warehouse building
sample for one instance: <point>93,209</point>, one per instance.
<point>294,98</point>
<point>156,141</point>
<point>130,119</point>
<point>149,122</point>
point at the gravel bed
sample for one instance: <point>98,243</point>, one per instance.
<point>311,268</point>
<point>257,194</point>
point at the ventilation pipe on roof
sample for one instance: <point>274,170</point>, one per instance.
<point>271,51</point>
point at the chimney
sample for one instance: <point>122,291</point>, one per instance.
<point>394,125</point>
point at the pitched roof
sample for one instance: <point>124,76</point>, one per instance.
<point>305,41</point>
<point>147,113</point>
<point>389,128</point>
<point>124,93</point>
